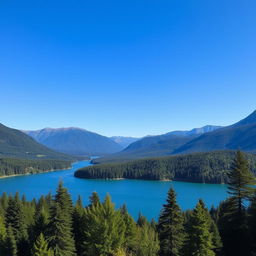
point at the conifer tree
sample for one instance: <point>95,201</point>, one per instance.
<point>15,217</point>
<point>147,241</point>
<point>130,229</point>
<point>199,238</point>
<point>60,232</point>
<point>232,217</point>
<point>141,220</point>
<point>41,248</point>
<point>170,227</point>
<point>78,226</point>
<point>41,222</point>
<point>105,229</point>
<point>10,247</point>
<point>241,183</point>
<point>2,235</point>
<point>94,199</point>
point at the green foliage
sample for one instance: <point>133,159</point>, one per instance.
<point>211,167</point>
<point>12,166</point>
<point>241,182</point>
<point>147,241</point>
<point>233,221</point>
<point>10,246</point>
<point>199,240</point>
<point>105,229</point>
<point>41,247</point>
<point>60,232</point>
<point>170,227</point>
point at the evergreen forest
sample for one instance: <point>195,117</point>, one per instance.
<point>55,226</point>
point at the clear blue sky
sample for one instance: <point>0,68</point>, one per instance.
<point>132,67</point>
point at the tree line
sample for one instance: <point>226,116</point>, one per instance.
<point>14,166</point>
<point>209,167</point>
<point>54,226</point>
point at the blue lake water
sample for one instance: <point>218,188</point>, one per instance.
<point>146,197</point>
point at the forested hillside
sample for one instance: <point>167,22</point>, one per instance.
<point>211,167</point>
<point>12,166</point>
<point>158,145</point>
<point>14,143</point>
<point>240,135</point>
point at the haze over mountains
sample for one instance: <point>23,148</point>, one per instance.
<point>80,142</point>
<point>75,141</point>
<point>124,141</point>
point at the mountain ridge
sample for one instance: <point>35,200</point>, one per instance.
<point>75,141</point>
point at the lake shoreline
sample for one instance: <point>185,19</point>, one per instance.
<point>26,174</point>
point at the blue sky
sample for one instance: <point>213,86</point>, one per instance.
<point>127,67</point>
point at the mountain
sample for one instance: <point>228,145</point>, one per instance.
<point>241,135</point>
<point>14,143</point>
<point>160,145</point>
<point>196,131</point>
<point>123,141</point>
<point>75,141</point>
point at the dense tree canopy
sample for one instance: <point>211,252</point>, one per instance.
<point>211,167</point>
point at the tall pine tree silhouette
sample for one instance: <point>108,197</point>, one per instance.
<point>170,227</point>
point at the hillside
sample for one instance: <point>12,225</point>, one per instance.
<point>13,166</point>
<point>14,143</point>
<point>154,146</point>
<point>241,135</point>
<point>211,167</point>
<point>75,141</point>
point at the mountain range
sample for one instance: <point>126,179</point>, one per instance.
<point>75,141</point>
<point>160,145</point>
<point>241,135</point>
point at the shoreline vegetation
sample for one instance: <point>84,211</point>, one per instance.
<point>11,167</point>
<point>207,167</point>
<point>55,226</point>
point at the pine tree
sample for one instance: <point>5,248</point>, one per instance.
<point>141,220</point>
<point>147,241</point>
<point>59,232</point>
<point>41,222</point>
<point>94,199</point>
<point>105,229</point>
<point>10,247</point>
<point>199,238</point>
<point>130,229</point>
<point>41,247</point>
<point>78,226</point>
<point>232,220</point>
<point>170,227</point>
<point>15,217</point>
<point>3,234</point>
<point>241,183</point>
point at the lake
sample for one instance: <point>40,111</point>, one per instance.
<point>146,197</point>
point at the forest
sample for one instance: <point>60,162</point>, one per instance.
<point>210,167</point>
<point>54,226</point>
<point>14,166</point>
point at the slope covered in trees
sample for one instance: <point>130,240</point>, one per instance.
<point>155,146</point>
<point>12,166</point>
<point>53,226</point>
<point>240,135</point>
<point>14,143</point>
<point>209,167</point>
